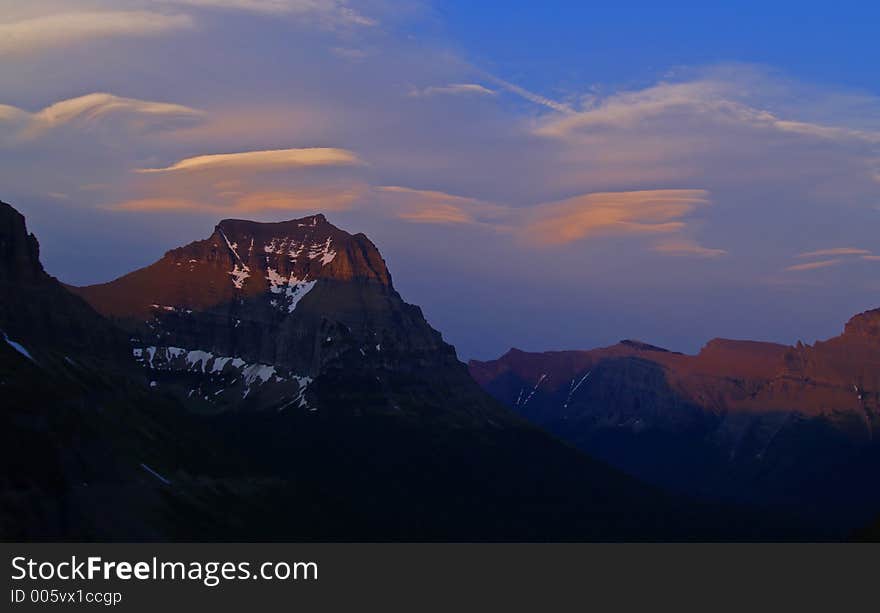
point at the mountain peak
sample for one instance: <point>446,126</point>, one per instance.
<point>864,325</point>
<point>291,225</point>
<point>19,251</point>
<point>278,263</point>
<point>641,346</point>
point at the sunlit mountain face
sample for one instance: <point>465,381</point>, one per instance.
<point>208,312</point>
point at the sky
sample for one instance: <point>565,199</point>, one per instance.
<point>553,175</point>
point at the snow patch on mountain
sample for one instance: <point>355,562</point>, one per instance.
<point>220,372</point>
<point>19,348</point>
<point>292,288</point>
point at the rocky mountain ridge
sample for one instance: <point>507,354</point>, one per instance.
<point>742,420</point>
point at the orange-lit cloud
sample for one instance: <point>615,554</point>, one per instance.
<point>162,204</point>
<point>60,29</point>
<point>326,199</point>
<point>436,214</point>
<point>814,265</point>
<point>271,159</point>
<point>431,206</point>
<point>636,212</point>
<point>563,222</point>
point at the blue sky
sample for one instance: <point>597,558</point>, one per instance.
<point>541,175</point>
<point>556,44</point>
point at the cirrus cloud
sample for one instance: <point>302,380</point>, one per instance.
<point>686,248</point>
<point>453,89</point>
<point>607,213</point>
<point>331,13</point>
<point>88,110</point>
<point>834,251</point>
<point>338,198</point>
<point>268,159</point>
<point>814,265</point>
<point>61,29</point>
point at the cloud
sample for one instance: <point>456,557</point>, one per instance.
<point>431,206</point>
<point>454,89</point>
<point>704,99</point>
<point>839,255</point>
<point>834,251</point>
<point>269,159</point>
<point>609,213</point>
<point>89,110</point>
<point>328,12</point>
<point>562,222</point>
<point>531,96</point>
<point>648,212</point>
<point>716,128</point>
<point>338,198</point>
<point>814,265</point>
<point>61,29</point>
<point>686,248</point>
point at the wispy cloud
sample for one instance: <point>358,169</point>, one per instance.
<point>707,98</point>
<point>263,160</point>
<point>838,255</point>
<point>60,29</point>
<point>454,89</point>
<point>432,206</point>
<point>338,198</point>
<point>531,96</point>
<point>814,265</point>
<point>645,212</point>
<point>834,251</point>
<point>329,12</point>
<point>686,248</point>
<point>634,212</point>
<point>89,110</point>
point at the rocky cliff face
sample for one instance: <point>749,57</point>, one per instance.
<point>742,420</point>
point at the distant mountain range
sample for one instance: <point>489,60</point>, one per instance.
<point>759,423</point>
<point>269,383</point>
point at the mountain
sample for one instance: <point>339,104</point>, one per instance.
<point>745,421</point>
<point>269,383</point>
<point>36,305</point>
<point>277,315</point>
<point>75,430</point>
